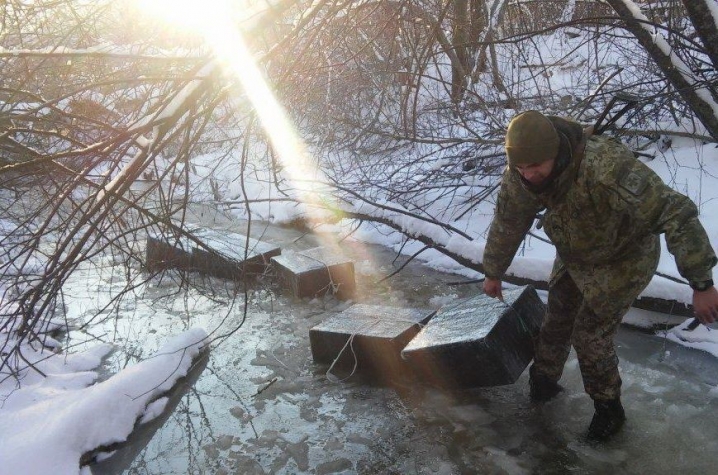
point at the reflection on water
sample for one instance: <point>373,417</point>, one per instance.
<point>262,406</point>
<point>128,452</point>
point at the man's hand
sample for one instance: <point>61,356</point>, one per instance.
<point>705,304</point>
<point>492,288</point>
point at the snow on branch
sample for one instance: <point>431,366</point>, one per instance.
<point>160,121</point>
<point>678,64</point>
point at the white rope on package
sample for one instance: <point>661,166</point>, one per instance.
<point>350,343</point>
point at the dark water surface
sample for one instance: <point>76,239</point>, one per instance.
<point>261,406</point>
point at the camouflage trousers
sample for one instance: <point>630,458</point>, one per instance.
<point>585,307</point>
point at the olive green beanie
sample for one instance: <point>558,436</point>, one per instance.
<point>531,138</point>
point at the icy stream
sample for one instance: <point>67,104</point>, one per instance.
<point>262,406</point>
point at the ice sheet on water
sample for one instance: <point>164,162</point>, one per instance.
<point>599,454</point>
<point>505,461</point>
<point>679,413</point>
<point>470,414</point>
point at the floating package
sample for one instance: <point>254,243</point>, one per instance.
<point>231,255</point>
<point>316,272</point>
<point>368,339</point>
<point>166,252</point>
<point>479,341</point>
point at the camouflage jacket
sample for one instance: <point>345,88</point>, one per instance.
<point>602,213</point>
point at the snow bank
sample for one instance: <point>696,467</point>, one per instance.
<point>88,416</point>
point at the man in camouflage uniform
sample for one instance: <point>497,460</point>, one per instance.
<point>604,213</point>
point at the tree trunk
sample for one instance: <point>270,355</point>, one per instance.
<point>703,107</point>
<point>459,42</point>
<point>705,25</point>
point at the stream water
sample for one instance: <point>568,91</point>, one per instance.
<point>257,404</point>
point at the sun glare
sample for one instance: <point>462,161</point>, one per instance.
<point>217,22</point>
<point>186,15</point>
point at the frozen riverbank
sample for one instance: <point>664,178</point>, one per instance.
<point>262,406</point>
<point>258,404</point>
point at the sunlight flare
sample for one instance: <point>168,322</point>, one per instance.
<point>217,21</point>
<point>214,20</point>
<point>188,15</point>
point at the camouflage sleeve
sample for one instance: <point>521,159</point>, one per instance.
<point>662,210</point>
<point>515,211</point>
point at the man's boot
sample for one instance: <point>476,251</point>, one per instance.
<point>608,419</point>
<point>541,388</point>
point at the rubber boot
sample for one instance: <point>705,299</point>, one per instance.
<point>608,419</point>
<point>541,388</point>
